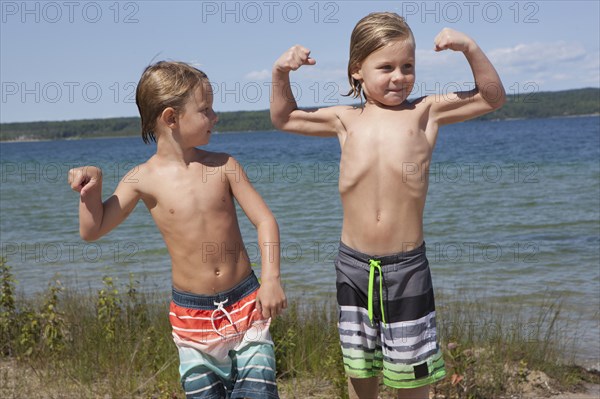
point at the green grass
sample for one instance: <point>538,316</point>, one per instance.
<point>492,347</point>
<point>117,342</point>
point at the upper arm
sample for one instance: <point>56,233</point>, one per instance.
<point>246,195</point>
<point>458,106</point>
<point>121,203</point>
<point>323,122</point>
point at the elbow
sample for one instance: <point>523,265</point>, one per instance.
<point>492,96</point>
<point>499,99</point>
<point>275,224</point>
<point>278,122</point>
<point>271,222</point>
<point>88,236</point>
<point>493,106</point>
<point>500,102</point>
<point>268,223</point>
<point>275,122</point>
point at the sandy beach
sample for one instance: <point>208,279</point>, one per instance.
<point>19,381</point>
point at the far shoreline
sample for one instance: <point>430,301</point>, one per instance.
<point>75,138</point>
<point>32,140</point>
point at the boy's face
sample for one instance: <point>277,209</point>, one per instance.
<point>387,75</point>
<point>198,118</point>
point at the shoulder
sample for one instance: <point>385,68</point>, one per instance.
<point>135,181</point>
<point>151,167</point>
<point>229,160</point>
<point>346,113</point>
<point>139,174</point>
<point>221,164</point>
<point>341,110</point>
<point>421,107</point>
<point>135,171</point>
<point>215,159</point>
<point>424,102</point>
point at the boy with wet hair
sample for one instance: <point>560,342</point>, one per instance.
<point>384,289</point>
<point>220,314</point>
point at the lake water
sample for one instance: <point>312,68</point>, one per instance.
<point>513,214</point>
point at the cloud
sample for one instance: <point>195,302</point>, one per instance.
<point>556,65</point>
<point>263,74</point>
<point>431,58</point>
<point>550,65</point>
<point>537,57</point>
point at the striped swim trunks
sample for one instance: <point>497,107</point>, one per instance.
<point>387,317</point>
<point>225,348</point>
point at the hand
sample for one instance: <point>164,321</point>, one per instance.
<point>293,59</point>
<point>270,300</point>
<point>453,40</point>
<point>84,179</point>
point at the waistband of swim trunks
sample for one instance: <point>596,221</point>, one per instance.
<point>207,302</point>
<point>399,257</point>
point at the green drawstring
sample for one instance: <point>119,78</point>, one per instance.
<point>375,264</point>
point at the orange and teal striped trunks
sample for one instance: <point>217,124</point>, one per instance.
<point>225,348</point>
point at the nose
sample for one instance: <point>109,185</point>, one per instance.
<point>398,76</point>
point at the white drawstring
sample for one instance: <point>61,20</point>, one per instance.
<point>220,307</point>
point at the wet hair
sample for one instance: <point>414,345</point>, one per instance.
<point>371,33</point>
<point>162,85</point>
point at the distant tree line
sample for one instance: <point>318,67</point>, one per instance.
<point>518,106</point>
<point>548,104</point>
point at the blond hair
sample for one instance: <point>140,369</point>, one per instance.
<point>371,33</point>
<point>162,85</point>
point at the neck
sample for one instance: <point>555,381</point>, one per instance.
<point>169,148</point>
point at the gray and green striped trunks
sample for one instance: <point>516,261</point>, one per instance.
<point>387,317</point>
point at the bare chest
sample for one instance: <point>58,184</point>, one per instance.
<point>384,153</point>
<point>187,195</point>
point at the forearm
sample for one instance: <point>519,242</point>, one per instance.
<point>283,102</point>
<point>91,212</point>
<point>487,81</point>
<point>271,298</point>
<point>269,244</point>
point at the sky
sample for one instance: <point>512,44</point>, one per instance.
<point>63,60</point>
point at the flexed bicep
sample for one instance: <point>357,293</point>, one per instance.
<point>97,218</point>
<point>285,114</point>
<point>488,94</point>
<point>119,205</point>
<point>322,122</point>
<point>458,106</point>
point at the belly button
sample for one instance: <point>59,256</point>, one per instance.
<point>217,272</point>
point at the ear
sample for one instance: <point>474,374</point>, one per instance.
<point>169,117</point>
<point>357,73</point>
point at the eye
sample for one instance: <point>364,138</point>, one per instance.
<point>407,66</point>
<point>385,67</point>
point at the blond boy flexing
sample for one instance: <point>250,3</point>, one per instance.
<point>384,289</point>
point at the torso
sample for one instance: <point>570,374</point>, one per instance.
<point>384,177</point>
<point>193,207</point>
